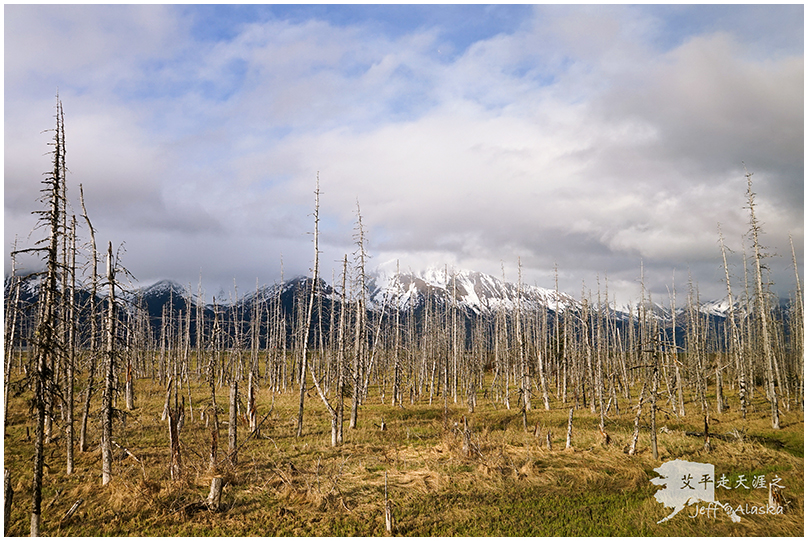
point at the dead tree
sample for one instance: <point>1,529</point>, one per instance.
<point>654,390</point>
<point>360,338</point>
<point>71,350</point>
<point>501,357</point>
<point>336,411</point>
<point>232,430</point>
<point>110,357</point>
<point>10,330</point>
<point>175,416</point>
<point>47,343</point>
<point>680,403</point>
<point>109,378</point>
<point>93,327</point>
<point>213,414</point>
<point>762,307</point>
<point>525,384</point>
<point>797,333</point>
<point>310,308</point>
<point>397,346</point>
<point>569,430</point>
<point>252,414</point>
<point>129,387</point>
<point>635,436</point>
<point>455,346</point>
<point>8,499</point>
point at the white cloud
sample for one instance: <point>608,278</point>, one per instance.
<point>573,139</point>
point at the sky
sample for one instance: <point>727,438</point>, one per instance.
<point>608,142</point>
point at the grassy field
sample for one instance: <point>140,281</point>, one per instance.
<point>509,484</point>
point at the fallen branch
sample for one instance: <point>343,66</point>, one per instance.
<point>125,450</point>
<point>129,453</point>
<point>71,511</point>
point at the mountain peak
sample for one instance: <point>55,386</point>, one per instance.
<point>471,290</point>
<point>165,287</point>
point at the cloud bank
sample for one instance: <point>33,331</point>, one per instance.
<point>594,139</point>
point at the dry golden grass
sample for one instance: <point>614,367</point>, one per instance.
<point>504,482</point>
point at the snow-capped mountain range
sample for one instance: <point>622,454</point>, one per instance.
<point>474,293</point>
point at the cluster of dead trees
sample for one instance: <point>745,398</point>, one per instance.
<point>50,353</point>
<point>81,333</point>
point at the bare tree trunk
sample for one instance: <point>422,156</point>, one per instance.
<point>357,366</point>
<point>186,357</point>
<point>734,338</point>
<point>455,346</point>
<point>680,403</point>
<point>10,321</point>
<point>307,328</point>
<point>336,439</point>
<point>93,329</point>
<point>654,390</point>
<point>599,361</point>
<point>71,351</point>
<point>397,347</point>
<point>109,389</point>
<point>635,436</point>
<point>214,413</point>
<point>361,334</point>
<point>8,499</point>
<point>174,424</point>
<point>543,382</point>
<point>129,391</point>
<point>505,357</point>
<point>719,389</point>
<point>523,367</point>
<point>39,446</point>
<point>762,306</point>
<point>232,429</point>
<point>569,430</point>
<point>252,414</point>
<point>797,318</point>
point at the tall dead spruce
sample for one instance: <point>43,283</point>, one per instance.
<point>360,338</point>
<point>762,305</point>
<point>46,341</point>
<point>310,308</point>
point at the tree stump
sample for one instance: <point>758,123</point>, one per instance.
<point>215,497</point>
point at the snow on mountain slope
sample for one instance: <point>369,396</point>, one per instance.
<point>475,291</point>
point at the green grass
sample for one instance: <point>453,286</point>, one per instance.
<point>510,485</point>
<point>523,510</point>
